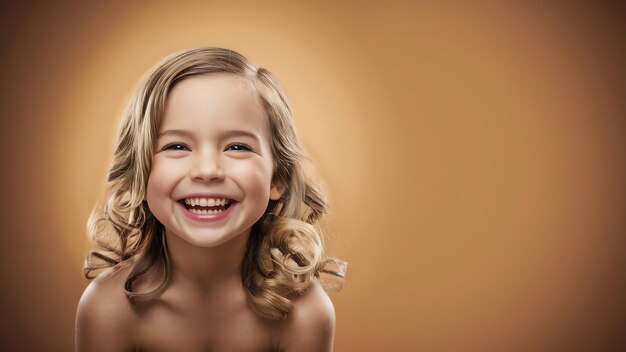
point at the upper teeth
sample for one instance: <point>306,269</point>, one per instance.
<point>206,202</point>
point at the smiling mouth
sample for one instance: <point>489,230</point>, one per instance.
<point>206,210</point>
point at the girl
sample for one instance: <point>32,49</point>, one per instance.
<point>209,231</point>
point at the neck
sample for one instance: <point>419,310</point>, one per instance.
<point>206,268</point>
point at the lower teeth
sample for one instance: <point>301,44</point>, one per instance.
<point>205,212</point>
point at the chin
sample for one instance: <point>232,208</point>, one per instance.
<point>208,241</point>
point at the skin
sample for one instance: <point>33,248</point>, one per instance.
<point>205,307</point>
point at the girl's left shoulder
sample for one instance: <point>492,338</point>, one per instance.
<point>311,324</point>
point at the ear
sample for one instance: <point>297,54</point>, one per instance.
<point>277,190</point>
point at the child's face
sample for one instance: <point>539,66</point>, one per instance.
<point>222,150</point>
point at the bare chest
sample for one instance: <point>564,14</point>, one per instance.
<point>169,329</point>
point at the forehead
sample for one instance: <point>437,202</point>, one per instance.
<point>214,101</point>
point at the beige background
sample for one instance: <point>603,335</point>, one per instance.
<point>473,154</point>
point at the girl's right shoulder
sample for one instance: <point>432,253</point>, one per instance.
<point>104,317</point>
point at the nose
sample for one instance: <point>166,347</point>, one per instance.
<point>207,167</point>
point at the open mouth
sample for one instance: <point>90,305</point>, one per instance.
<point>202,206</point>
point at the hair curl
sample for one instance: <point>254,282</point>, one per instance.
<point>285,251</point>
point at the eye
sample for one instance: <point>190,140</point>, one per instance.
<point>238,147</point>
<point>176,146</point>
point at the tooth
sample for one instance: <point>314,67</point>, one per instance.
<point>207,201</point>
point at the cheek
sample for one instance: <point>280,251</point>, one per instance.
<point>256,178</point>
<point>159,183</point>
<point>152,190</point>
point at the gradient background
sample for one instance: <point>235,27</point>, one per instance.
<point>473,154</point>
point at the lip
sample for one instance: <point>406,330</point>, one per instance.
<point>207,217</point>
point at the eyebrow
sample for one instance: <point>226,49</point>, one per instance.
<point>189,134</point>
<point>183,133</point>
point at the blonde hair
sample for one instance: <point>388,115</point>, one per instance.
<point>285,251</point>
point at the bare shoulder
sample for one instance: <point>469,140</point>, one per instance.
<point>104,317</point>
<point>311,324</point>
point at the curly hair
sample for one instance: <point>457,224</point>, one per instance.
<point>285,251</point>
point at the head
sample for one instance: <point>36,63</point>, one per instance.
<point>139,131</point>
